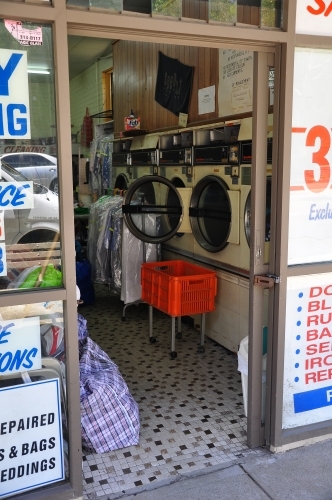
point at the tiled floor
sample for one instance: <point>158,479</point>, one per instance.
<point>191,408</point>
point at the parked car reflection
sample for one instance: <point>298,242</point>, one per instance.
<point>38,167</point>
<point>31,225</point>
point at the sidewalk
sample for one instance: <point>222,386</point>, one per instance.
<point>301,474</point>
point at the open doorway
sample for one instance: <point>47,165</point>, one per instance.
<point>192,407</point>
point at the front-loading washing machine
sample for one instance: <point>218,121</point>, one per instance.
<point>144,156</point>
<point>245,141</point>
<point>120,165</point>
<point>215,203</point>
<point>175,164</point>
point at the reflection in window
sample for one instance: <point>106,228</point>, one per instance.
<point>30,253</point>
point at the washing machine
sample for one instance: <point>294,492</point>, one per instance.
<point>175,164</point>
<point>215,203</point>
<point>120,165</point>
<point>245,141</point>
<point>144,156</point>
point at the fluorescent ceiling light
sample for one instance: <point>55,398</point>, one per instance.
<point>39,71</point>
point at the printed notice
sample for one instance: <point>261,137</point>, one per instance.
<point>24,36</point>
<point>31,448</point>
<point>308,350</point>
<point>235,81</point>
<point>207,100</point>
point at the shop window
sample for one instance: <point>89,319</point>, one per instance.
<point>171,8</point>
<point>30,249</point>
<point>263,13</point>
<point>34,418</point>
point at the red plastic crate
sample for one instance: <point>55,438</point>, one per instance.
<point>178,288</point>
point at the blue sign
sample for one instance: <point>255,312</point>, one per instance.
<point>14,95</point>
<point>311,400</point>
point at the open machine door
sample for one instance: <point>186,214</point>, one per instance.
<point>153,209</point>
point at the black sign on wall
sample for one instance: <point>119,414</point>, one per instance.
<point>174,82</point>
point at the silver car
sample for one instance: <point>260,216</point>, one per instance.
<point>38,167</point>
<point>31,225</point>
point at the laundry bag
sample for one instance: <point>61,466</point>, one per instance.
<point>109,413</point>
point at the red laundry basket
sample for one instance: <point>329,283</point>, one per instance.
<point>178,288</point>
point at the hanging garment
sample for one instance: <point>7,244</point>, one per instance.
<point>86,130</point>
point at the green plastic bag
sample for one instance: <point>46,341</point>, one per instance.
<point>52,278</point>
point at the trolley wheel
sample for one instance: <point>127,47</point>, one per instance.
<point>173,354</point>
<point>201,349</point>
<point>123,318</point>
<point>179,335</point>
<point>152,340</point>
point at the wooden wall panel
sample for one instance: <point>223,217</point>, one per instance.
<point>135,66</point>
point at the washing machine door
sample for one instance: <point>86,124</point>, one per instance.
<point>121,182</point>
<point>150,212</point>
<point>247,213</point>
<point>210,213</point>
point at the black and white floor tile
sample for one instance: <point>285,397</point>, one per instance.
<point>191,407</point>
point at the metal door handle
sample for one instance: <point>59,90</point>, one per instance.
<point>267,281</point>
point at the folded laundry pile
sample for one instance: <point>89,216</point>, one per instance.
<point>109,414</point>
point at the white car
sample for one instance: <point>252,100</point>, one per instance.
<point>38,167</point>
<point>31,225</point>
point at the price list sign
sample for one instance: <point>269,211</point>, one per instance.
<point>308,350</point>
<point>31,447</point>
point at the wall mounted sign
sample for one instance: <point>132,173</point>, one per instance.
<point>235,81</point>
<point>207,100</point>
<point>308,351</point>
<point>14,95</point>
<point>31,448</point>
<point>310,210</point>
<point>20,348</point>
<point>314,17</point>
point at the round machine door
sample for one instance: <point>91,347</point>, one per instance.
<point>151,213</point>
<point>172,199</point>
<point>210,213</point>
<point>121,183</point>
<point>247,213</point>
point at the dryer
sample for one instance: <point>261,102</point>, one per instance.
<point>144,156</point>
<point>120,165</point>
<point>175,164</point>
<point>245,141</point>
<point>215,203</point>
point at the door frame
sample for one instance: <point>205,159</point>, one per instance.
<point>96,24</point>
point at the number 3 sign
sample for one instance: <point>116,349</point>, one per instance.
<point>310,211</point>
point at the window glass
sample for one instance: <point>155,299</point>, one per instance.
<point>30,253</point>
<point>34,418</point>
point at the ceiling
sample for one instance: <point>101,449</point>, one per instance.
<point>85,51</point>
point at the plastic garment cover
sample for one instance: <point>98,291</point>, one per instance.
<point>100,235</point>
<point>134,253</point>
<point>101,164</point>
<point>116,252</point>
<point>109,414</point>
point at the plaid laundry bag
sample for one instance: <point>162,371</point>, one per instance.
<point>109,414</point>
